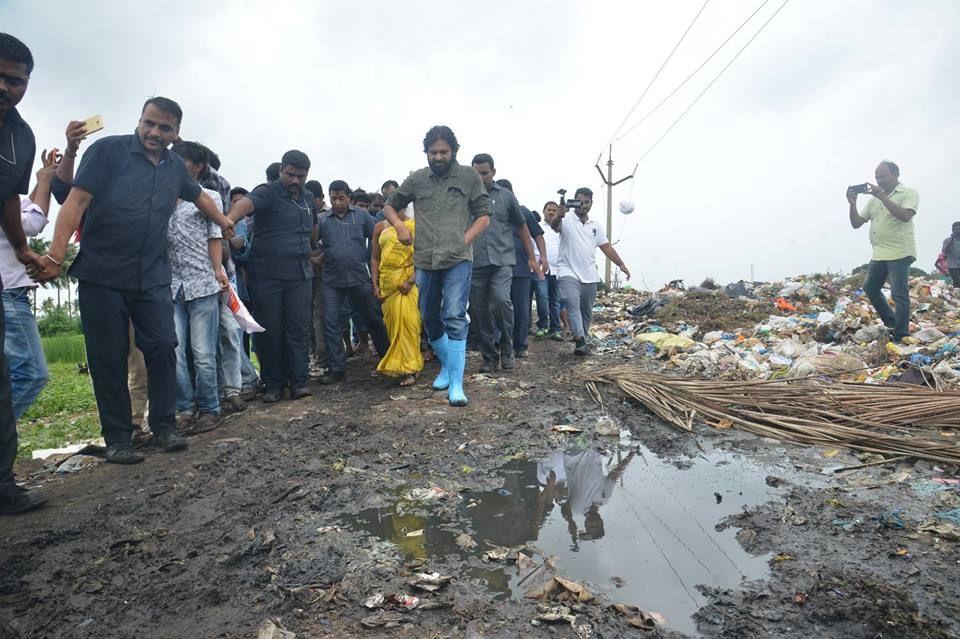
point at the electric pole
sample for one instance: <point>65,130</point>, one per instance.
<point>608,180</point>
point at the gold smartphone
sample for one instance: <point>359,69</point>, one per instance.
<point>93,124</point>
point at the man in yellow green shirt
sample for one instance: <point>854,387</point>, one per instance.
<point>890,212</point>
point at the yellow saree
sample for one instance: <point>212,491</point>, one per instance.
<point>400,312</point>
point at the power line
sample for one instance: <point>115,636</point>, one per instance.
<point>695,71</point>
<point>707,88</point>
<point>657,74</point>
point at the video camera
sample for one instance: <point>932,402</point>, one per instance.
<point>569,205</point>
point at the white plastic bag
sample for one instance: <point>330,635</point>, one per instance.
<point>240,312</point>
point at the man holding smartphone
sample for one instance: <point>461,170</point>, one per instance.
<point>125,191</point>
<point>890,212</point>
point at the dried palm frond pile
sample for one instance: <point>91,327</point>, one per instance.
<point>891,419</point>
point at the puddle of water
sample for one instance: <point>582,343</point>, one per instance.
<point>624,517</point>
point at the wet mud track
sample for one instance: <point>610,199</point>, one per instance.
<point>302,512</point>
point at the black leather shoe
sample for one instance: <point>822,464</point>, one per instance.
<point>488,366</point>
<point>272,396</point>
<point>332,378</point>
<point>581,349</point>
<point>300,393</point>
<point>123,454</point>
<point>170,442</point>
<point>15,500</point>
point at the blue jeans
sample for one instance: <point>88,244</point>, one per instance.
<point>520,294</point>
<point>197,323</point>
<point>541,292</point>
<point>898,272</point>
<point>365,305</point>
<point>555,301</point>
<point>443,300</point>
<point>231,353</point>
<point>24,351</point>
<point>249,378</point>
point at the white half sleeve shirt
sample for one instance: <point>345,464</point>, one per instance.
<point>578,249</point>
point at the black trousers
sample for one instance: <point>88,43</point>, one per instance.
<point>105,314</point>
<point>8,423</point>
<point>366,306</point>
<point>283,309</point>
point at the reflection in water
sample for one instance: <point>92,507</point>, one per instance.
<point>625,517</point>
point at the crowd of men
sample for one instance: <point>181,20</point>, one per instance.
<point>170,257</point>
<point>181,278</point>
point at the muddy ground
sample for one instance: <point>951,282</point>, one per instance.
<point>300,512</point>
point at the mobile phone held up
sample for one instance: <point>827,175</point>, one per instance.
<point>859,188</point>
<point>93,124</point>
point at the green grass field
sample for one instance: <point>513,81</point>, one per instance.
<point>64,413</point>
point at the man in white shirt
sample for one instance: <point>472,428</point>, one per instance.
<point>551,240</point>
<point>577,275</point>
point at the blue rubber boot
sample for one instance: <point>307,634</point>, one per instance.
<point>456,360</point>
<point>440,348</point>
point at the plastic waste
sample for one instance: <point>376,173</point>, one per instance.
<point>665,341</point>
<point>829,363</point>
<point>869,334</point>
<point>928,335</point>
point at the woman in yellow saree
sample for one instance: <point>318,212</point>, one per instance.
<point>394,284</point>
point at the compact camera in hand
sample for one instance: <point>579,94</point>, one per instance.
<point>859,188</point>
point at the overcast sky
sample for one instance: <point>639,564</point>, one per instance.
<point>755,174</point>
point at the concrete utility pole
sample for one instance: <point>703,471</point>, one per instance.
<point>608,180</point>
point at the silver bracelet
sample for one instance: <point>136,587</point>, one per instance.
<point>53,260</point>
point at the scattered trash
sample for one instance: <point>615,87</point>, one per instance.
<point>639,618</point>
<point>849,526</point>
<point>375,601</point>
<point>566,428</point>
<point>429,581</point>
<point>607,427</point>
<point>383,619</point>
<point>941,529</point>
<point>501,554</point>
<point>554,614</point>
<point>465,541</point>
<point>72,449</point>
<point>78,463</point>
<point>952,516</point>
<point>891,519</point>
<point>559,588</point>
<point>415,533</point>
<point>782,557</point>
<point>427,494</point>
<point>271,629</point>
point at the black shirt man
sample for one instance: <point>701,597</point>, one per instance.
<point>280,275</point>
<point>345,233</point>
<point>17,150</point>
<point>125,190</point>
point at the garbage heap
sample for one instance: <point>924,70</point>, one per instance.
<point>807,325</point>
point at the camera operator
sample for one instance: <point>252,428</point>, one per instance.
<point>577,275</point>
<point>890,212</point>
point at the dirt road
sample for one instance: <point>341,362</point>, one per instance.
<point>302,512</point>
